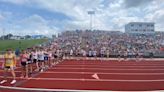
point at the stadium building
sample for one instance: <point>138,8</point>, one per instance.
<point>140,28</point>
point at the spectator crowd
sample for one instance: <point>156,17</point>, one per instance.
<point>109,44</point>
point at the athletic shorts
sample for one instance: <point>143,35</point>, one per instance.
<point>55,56</point>
<point>9,67</point>
<point>34,60</point>
<point>46,58</point>
<point>24,63</point>
<point>29,61</point>
<point>41,60</point>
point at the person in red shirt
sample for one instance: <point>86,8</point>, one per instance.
<point>24,64</point>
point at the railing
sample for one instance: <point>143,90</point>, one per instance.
<point>159,54</point>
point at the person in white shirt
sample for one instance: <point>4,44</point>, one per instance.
<point>71,52</point>
<point>107,53</point>
<point>102,52</point>
<point>84,53</point>
<point>90,53</point>
<point>41,60</point>
<point>49,57</point>
<point>94,53</point>
<point>35,59</point>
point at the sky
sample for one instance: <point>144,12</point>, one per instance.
<point>47,17</point>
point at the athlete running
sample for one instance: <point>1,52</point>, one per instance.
<point>8,65</point>
<point>24,64</point>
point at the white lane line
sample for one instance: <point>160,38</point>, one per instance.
<point>119,65</point>
<point>108,66</point>
<point>65,90</point>
<point>92,80</point>
<point>50,90</point>
<point>58,68</point>
<point>101,80</point>
<point>49,72</point>
<point>104,73</point>
<point>99,58</point>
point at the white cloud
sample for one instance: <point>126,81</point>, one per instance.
<point>158,18</point>
<point>4,15</point>
<point>111,15</point>
<point>20,2</point>
<point>72,8</point>
<point>34,24</point>
<point>77,10</point>
<point>155,13</point>
<point>1,17</point>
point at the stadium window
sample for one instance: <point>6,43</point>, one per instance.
<point>152,25</point>
<point>136,30</point>
<point>132,25</point>
<point>140,25</point>
<point>152,30</point>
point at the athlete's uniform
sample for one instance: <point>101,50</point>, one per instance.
<point>10,63</point>
<point>23,59</point>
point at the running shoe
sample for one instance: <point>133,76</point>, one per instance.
<point>3,81</point>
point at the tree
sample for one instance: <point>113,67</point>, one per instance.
<point>27,37</point>
<point>8,36</point>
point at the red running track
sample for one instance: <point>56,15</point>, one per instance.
<point>115,76</point>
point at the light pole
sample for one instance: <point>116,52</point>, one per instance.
<point>3,30</point>
<point>91,13</point>
<point>20,40</point>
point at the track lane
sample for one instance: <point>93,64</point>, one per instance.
<point>106,71</point>
<point>83,79</point>
<point>101,76</point>
<point>95,85</point>
<point>99,66</point>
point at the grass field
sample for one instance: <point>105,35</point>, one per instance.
<point>14,44</point>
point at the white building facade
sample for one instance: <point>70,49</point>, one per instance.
<point>140,28</point>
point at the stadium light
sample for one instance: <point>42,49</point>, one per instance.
<point>3,30</point>
<point>20,41</point>
<point>91,13</point>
